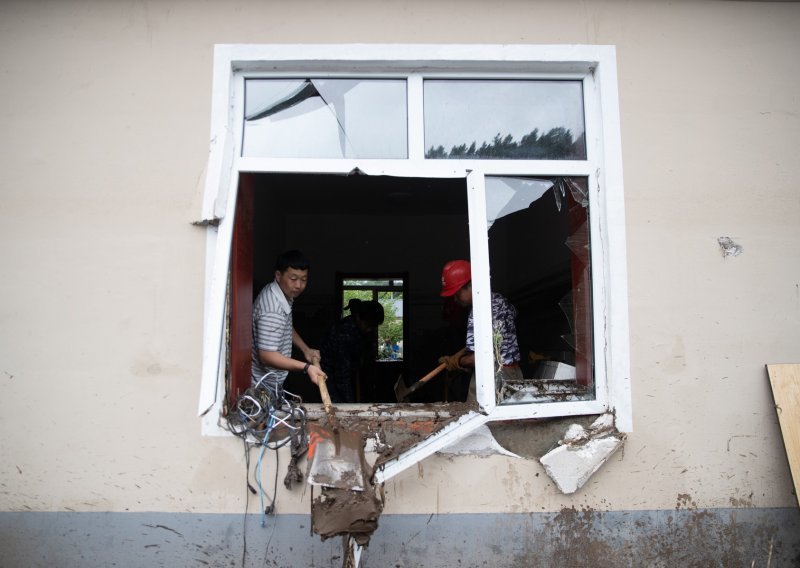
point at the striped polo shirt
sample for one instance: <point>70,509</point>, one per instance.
<point>272,331</point>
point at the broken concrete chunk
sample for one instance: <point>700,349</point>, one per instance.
<point>604,423</point>
<point>575,434</point>
<point>581,452</point>
<point>571,466</point>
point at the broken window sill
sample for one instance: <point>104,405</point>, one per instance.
<point>390,411</point>
<point>545,390</point>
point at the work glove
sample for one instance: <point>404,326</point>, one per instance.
<point>453,362</point>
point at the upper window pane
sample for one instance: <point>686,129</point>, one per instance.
<point>506,120</point>
<point>325,118</point>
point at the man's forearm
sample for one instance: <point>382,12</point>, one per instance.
<point>278,361</point>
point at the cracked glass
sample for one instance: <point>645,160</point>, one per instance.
<point>325,118</point>
<point>547,284</point>
<point>507,120</point>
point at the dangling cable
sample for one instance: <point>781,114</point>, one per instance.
<point>257,413</point>
<point>258,478</point>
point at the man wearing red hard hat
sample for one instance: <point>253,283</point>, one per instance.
<point>457,283</point>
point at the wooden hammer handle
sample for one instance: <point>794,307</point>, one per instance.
<point>433,373</point>
<point>425,379</point>
<point>323,390</point>
<point>326,398</point>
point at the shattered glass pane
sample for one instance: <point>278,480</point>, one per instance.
<point>559,193</point>
<point>506,120</point>
<point>578,244</point>
<point>506,195</point>
<point>579,193</point>
<point>325,118</point>
<point>566,306</point>
<point>539,252</point>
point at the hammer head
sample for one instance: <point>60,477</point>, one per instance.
<point>400,389</point>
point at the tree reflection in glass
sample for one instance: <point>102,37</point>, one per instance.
<point>494,119</point>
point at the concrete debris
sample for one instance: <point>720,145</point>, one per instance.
<point>604,423</point>
<point>575,435</point>
<point>728,247</point>
<point>481,443</point>
<point>535,390</point>
<point>537,394</point>
<point>581,453</point>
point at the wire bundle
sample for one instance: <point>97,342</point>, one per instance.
<point>261,408</point>
<point>258,412</point>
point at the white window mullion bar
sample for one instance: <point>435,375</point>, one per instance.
<point>416,118</point>
<point>419,168</point>
<point>481,291</point>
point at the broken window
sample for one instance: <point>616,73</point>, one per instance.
<point>325,118</point>
<point>539,259</point>
<point>539,256</point>
<point>375,167</point>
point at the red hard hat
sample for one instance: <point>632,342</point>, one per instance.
<point>455,274</point>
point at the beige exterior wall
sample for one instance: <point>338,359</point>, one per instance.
<point>105,110</point>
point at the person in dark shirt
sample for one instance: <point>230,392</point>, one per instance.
<point>344,344</point>
<point>457,283</point>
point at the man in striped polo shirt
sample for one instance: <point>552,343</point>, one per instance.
<point>273,332</point>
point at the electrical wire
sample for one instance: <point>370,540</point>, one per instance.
<point>256,416</point>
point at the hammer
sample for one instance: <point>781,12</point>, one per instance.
<point>402,392</point>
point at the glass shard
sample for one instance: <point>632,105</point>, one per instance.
<point>325,118</point>
<point>506,195</point>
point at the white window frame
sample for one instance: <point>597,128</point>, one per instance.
<point>595,66</point>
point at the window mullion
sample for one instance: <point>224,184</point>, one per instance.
<point>481,292</point>
<point>419,167</point>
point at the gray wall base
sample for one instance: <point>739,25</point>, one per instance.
<point>715,537</point>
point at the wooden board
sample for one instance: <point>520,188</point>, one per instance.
<point>785,381</point>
